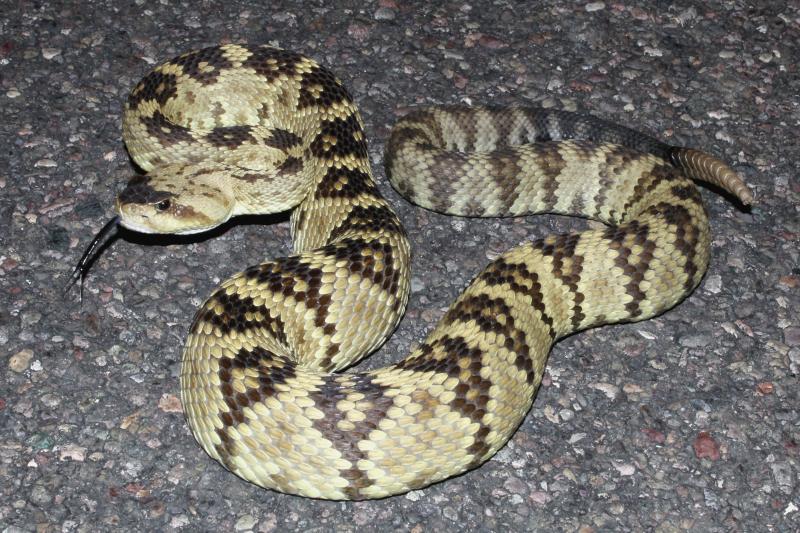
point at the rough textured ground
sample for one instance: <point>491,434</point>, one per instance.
<point>687,421</point>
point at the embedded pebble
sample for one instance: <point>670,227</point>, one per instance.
<point>245,523</point>
<point>611,391</point>
<point>713,284</point>
<point>694,341</point>
<point>169,403</point>
<point>50,53</point>
<point>40,496</point>
<point>384,13</point>
<point>784,476</point>
<point>625,469</point>
<point>791,336</point>
<point>72,452</point>
<point>706,447</point>
<point>19,361</point>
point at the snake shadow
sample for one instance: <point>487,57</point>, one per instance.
<point>158,239</point>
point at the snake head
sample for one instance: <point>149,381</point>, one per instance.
<point>171,200</point>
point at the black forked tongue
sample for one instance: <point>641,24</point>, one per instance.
<point>89,255</point>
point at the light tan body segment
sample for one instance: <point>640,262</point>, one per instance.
<point>235,129</point>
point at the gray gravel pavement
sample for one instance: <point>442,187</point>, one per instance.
<point>685,422</point>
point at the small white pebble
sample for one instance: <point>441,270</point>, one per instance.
<point>554,84</point>
<point>646,334</point>
<point>50,53</point>
<point>730,329</point>
<point>550,414</point>
<point>718,113</point>
<point>576,437</point>
<point>414,495</point>
<point>632,388</point>
<point>179,521</point>
<point>611,391</point>
<point>713,284</point>
<point>625,469</point>
<point>45,163</point>
<point>722,136</point>
<point>71,451</point>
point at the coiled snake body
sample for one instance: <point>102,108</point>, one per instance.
<point>235,129</point>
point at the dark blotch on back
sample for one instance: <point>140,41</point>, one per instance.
<point>374,407</point>
<point>283,139</point>
<point>320,87</point>
<point>234,315</point>
<point>291,165</point>
<point>343,130</point>
<point>487,313</point>
<point>204,65</point>
<point>649,181</point>
<point>552,164</point>
<point>281,276</point>
<point>272,370</point>
<point>514,274</point>
<point>375,218</point>
<point>272,62</point>
<point>472,395</point>
<point>156,86</point>
<point>687,236</point>
<point>344,182</point>
<point>633,266</point>
<point>567,267</point>
<point>230,136</point>
<point>167,132</point>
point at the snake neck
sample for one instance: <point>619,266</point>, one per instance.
<point>343,202</point>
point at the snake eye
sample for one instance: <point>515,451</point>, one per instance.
<point>163,205</point>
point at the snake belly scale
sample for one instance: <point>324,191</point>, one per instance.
<point>237,129</point>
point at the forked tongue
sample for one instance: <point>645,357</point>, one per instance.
<point>90,254</point>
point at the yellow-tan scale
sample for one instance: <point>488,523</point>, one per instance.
<point>257,383</point>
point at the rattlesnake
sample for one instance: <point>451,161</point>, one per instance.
<point>233,129</point>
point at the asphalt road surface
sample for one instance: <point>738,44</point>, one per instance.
<point>688,421</point>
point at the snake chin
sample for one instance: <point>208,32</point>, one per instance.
<point>167,217</point>
<point>145,228</point>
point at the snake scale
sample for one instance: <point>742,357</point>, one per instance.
<point>235,129</point>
